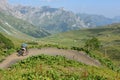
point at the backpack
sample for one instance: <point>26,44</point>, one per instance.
<point>24,45</point>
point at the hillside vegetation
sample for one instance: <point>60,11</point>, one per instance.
<point>6,45</point>
<point>109,36</point>
<point>45,67</point>
<point>19,23</point>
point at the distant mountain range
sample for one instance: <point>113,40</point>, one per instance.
<point>98,20</point>
<point>54,20</point>
<point>43,21</point>
<point>57,20</point>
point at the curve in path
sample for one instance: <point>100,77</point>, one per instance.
<point>70,54</point>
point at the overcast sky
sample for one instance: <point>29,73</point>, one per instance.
<point>108,8</point>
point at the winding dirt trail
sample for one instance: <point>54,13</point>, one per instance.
<point>70,54</point>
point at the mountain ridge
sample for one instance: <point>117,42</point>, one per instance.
<point>46,20</point>
<point>58,19</point>
<point>15,27</point>
<point>93,20</point>
<point>50,19</point>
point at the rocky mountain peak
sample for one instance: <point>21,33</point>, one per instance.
<point>3,1</point>
<point>4,5</point>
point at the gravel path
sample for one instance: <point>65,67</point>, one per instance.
<point>70,54</point>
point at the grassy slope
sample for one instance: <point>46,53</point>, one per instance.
<point>7,24</point>
<point>55,68</point>
<point>21,26</point>
<point>49,68</point>
<point>108,35</point>
<point>5,44</point>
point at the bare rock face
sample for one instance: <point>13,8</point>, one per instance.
<point>3,5</point>
<point>54,20</point>
<point>3,2</point>
<point>58,19</point>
